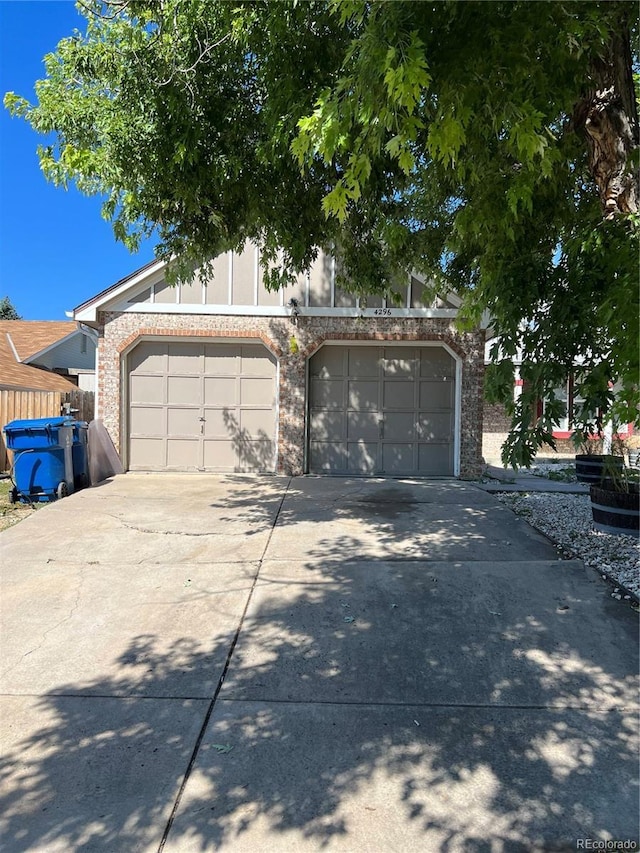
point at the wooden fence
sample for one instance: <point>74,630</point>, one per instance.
<point>26,405</point>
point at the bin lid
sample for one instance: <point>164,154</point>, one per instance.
<point>38,423</point>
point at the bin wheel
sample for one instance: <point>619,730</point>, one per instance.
<point>13,496</point>
<point>62,491</point>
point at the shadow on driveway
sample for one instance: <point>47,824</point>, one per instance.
<point>371,698</point>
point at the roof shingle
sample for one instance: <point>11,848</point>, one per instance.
<point>28,338</point>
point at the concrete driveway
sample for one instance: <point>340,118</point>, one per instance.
<point>204,663</point>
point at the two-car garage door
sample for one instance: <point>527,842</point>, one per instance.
<point>382,410</point>
<point>201,406</point>
<point>211,406</point>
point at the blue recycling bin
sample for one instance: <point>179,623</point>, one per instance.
<point>43,464</point>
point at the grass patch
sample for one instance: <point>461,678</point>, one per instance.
<point>11,514</point>
<point>563,475</point>
<point>555,471</point>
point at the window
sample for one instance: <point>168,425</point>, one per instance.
<point>570,400</point>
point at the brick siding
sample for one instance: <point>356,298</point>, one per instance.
<point>496,427</point>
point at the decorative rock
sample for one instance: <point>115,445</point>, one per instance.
<point>567,520</point>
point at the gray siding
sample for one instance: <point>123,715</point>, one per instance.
<point>70,354</point>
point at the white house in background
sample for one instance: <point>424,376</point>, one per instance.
<point>496,422</point>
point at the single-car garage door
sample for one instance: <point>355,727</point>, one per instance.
<point>201,406</point>
<point>382,410</point>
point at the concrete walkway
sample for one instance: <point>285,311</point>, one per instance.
<point>498,479</point>
<point>209,663</point>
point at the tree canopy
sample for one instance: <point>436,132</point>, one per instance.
<point>8,310</point>
<point>492,147</point>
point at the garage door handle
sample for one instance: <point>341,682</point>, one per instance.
<point>380,428</point>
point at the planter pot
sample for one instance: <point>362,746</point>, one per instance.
<point>592,467</point>
<point>615,511</point>
<point>634,458</point>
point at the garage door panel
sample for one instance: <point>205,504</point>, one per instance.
<point>327,426</point>
<point>148,453</point>
<point>219,423</point>
<point>149,357</point>
<point>256,391</point>
<point>186,359</point>
<point>436,459</point>
<point>437,363</point>
<point>146,420</point>
<point>147,389</point>
<point>362,456</point>
<point>221,359</point>
<point>220,391</point>
<point>183,422</point>
<point>363,425</point>
<point>398,458</point>
<point>363,395</point>
<point>183,453</point>
<point>398,395</point>
<point>327,456</point>
<point>183,389</point>
<point>255,455</point>
<point>399,425</point>
<point>364,361</point>
<point>255,361</point>
<point>256,423</point>
<point>220,455</point>
<point>328,362</point>
<point>436,426</point>
<point>437,394</point>
<point>398,361</point>
<point>327,393</point>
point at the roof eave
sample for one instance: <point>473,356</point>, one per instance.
<point>87,312</point>
<point>31,358</point>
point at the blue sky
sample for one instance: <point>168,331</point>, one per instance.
<point>56,251</point>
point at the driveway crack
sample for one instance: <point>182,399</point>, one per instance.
<point>156,532</point>
<point>212,704</point>
<point>50,630</point>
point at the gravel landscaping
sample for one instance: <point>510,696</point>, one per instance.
<point>566,519</point>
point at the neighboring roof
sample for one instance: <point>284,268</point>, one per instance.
<point>20,340</point>
<point>30,337</point>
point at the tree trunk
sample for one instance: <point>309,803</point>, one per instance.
<point>608,117</point>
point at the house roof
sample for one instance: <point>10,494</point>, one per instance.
<point>86,310</point>
<point>20,341</point>
<point>29,337</point>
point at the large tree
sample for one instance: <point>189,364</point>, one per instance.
<point>491,146</point>
<point>8,310</point>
